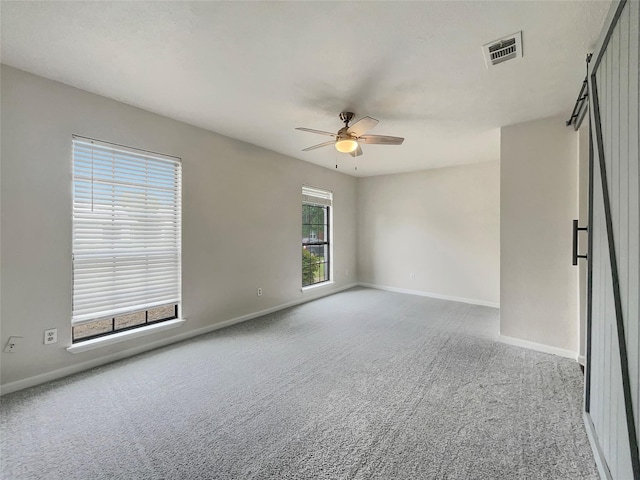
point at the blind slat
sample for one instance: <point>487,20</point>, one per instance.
<point>316,196</point>
<point>130,281</point>
<point>125,293</point>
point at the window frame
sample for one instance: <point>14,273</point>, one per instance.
<point>114,329</point>
<point>121,158</point>
<point>322,198</point>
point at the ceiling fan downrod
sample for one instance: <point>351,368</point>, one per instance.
<point>346,117</point>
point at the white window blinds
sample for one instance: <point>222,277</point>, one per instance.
<point>126,230</point>
<point>316,196</point>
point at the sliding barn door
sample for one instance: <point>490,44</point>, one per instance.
<point>611,390</point>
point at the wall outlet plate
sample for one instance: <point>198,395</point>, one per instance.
<point>50,336</point>
<point>259,292</point>
<point>12,344</point>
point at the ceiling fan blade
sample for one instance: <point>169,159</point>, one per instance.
<point>330,142</point>
<point>357,152</point>
<point>362,126</point>
<point>381,139</point>
<point>321,132</point>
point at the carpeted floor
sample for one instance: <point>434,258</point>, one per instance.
<point>363,384</point>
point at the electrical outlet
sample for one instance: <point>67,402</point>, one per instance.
<point>50,336</point>
<point>259,291</point>
<point>12,344</point>
<point>412,276</point>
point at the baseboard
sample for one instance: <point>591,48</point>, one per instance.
<point>540,347</point>
<point>420,293</point>
<point>582,360</point>
<point>80,367</point>
<point>598,455</point>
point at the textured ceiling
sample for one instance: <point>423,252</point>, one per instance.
<point>255,70</point>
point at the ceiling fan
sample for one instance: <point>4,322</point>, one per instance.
<point>348,138</point>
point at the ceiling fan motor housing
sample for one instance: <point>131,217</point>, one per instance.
<point>343,133</point>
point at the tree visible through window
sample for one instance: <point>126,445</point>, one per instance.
<point>316,247</point>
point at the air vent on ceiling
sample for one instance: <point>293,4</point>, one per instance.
<point>504,49</point>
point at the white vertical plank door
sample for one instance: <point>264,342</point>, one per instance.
<point>613,368</point>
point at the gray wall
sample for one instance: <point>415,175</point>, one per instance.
<point>441,225</point>
<point>241,218</point>
<point>241,225</point>
<point>538,201</point>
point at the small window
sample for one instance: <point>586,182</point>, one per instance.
<point>126,239</point>
<point>316,236</point>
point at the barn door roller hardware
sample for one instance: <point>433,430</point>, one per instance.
<point>576,229</point>
<point>582,103</point>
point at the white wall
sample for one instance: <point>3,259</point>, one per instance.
<point>442,225</point>
<point>241,218</point>
<point>538,202</point>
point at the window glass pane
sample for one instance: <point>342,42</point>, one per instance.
<point>307,268</point>
<point>125,321</point>
<point>160,313</point>
<point>322,272</point>
<point>93,328</point>
<point>318,232</point>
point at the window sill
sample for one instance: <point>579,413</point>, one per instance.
<point>317,285</point>
<point>122,336</point>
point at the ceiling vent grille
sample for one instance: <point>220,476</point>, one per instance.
<point>503,49</point>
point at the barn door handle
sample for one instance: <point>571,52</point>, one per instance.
<point>576,229</point>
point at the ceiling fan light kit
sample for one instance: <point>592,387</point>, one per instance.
<point>346,145</point>
<point>348,137</point>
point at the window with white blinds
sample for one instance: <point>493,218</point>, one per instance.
<point>126,232</point>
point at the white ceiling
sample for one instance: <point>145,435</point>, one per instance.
<point>255,70</point>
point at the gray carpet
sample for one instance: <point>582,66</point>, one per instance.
<point>363,384</point>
